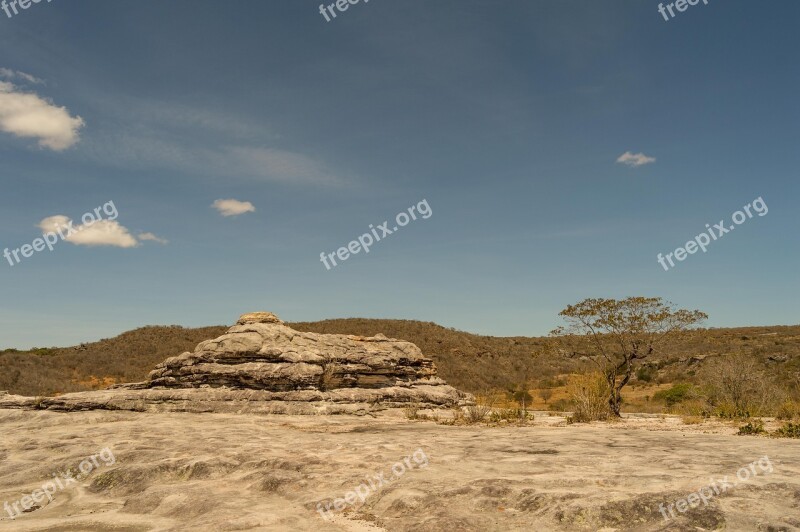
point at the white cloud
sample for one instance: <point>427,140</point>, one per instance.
<point>635,159</point>
<point>152,238</point>
<point>7,73</point>
<point>232,207</point>
<point>51,224</point>
<point>99,233</point>
<point>28,115</point>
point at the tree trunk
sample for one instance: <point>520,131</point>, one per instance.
<point>615,399</point>
<point>615,402</point>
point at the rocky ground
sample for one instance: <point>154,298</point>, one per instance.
<point>224,471</point>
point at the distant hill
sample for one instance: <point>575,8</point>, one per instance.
<point>467,361</point>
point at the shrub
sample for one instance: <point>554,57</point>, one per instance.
<point>509,414</point>
<point>412,411</point>
<point>752,428</point>
<point>695,407</point>
<point>788,430</point>
<point>788,410</point>
<point>589,394</point>
<point>738,387</point>
<point>646,374</point>
<point>677,394</point>
<point>478,412</point>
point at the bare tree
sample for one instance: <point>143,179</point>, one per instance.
<point>618,334</point>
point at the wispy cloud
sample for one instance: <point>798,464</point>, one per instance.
<point>199,142</point>
<point>635,159</point>
<point>279,165</point>
<point>7,73</point>
<point>27,115</point>
<point>232,207</point>
<point>150,237</point>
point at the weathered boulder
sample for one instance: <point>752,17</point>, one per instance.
<point>262,365</point>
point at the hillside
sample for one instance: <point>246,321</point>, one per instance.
<point>467,361</point>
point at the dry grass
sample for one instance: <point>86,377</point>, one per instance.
<point>589,393</point>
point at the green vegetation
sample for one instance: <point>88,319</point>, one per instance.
<point>788,430</point>
<point>752,428</point>
<point>646,374</point>
<point>520,395</point>
<point>677,394</point>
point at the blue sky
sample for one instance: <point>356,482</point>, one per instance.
<point>507,117</point>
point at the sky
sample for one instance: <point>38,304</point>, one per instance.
<point>557,148</point>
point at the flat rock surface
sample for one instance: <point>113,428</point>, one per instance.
<point>183,471</point>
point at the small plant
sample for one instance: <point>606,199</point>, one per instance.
<point>478,412</point>
<point>510,415</point>
<point>788,430</point>
<point>412,411</point>
<point>752,428</point>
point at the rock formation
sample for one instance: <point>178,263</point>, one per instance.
<point>262,365</point>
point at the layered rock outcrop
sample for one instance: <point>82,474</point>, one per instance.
<point>261,364</point>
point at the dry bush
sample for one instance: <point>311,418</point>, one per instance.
<point>589,394</point>
<point>516,415</point>
<point>412,411</point>
<point>698,407</point>
<point>739,388</point>
<point>482,407</point>
<point>788,410</point>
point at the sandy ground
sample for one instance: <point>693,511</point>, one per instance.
<point>257,472</point>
